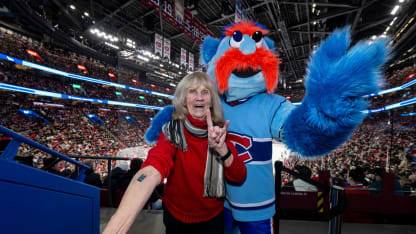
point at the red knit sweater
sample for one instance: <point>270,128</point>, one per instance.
<point>183,192</point>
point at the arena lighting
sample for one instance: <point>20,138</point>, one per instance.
<point>410,76</point>
<point>33,53</point>
<point>48,104</point>
<point>72,7</point>
<point>111,45</point>
<point>86,14</point>
<point>393,106</point>
<point>408,114</point>
<point>401,87</point>
<point>20,89</point>
<point>142,58</point>
<point>80,67</point>
<point>79,77</point>
<point>395,9</point>
<point>392,22</point>
<point>163,74</point>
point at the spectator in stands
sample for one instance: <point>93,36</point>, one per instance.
<point>192,204</point>
<point>135,166</point>
<point>301,185</point>
<point>355,182</point>
<point>49,164</point>
<point>377,186</point>
<point>91,177</point>
<point>116,175</point>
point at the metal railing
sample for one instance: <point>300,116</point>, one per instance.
<point>13,147</point>
<point>337,198</point>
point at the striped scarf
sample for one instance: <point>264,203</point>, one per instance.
<point>214,186</point>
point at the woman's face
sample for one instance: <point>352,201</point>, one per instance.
<point>198,99</point>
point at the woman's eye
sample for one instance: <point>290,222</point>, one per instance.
<point>236,39</point>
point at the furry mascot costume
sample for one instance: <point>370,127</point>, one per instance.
<point>245,68</point>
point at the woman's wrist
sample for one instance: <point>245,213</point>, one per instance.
<point>227,155</point>
<point>222,151</point>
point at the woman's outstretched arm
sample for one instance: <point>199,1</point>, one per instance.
<point>135,197</point>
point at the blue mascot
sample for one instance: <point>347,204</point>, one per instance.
<point>245,68</point>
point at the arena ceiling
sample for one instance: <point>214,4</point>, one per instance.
<point>297,26</point>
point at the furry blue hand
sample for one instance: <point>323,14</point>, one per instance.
<point>335,83</point>
<point>162,117</point>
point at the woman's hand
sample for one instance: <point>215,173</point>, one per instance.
<point>217,135</point>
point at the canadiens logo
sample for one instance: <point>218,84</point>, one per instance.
<point>243,145</point>
<point>252,150</point>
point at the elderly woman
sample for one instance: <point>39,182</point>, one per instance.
<point>194,154</point>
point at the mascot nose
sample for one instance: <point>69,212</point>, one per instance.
<point>248,45</point>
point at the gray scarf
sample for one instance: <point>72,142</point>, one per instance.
<point>214,186</point>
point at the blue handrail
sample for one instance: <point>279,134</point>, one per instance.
<point>10,152</point>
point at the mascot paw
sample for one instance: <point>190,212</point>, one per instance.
<point>162,117</point>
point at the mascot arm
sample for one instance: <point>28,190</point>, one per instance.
<point>162,117</point>
<point>335,84</point>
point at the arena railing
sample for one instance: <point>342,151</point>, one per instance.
<point>13,147</point>
<point>109,170</point>
<point>337,198</point>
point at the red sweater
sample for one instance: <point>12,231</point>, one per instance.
<point>183,192</point>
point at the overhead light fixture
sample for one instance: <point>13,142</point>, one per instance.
<point>86,14</point>
<point>401,0</point>
<point>142,58</point>
<point>72,7</point>
<point>111,45</point>
<point>392,22</point>
<point>395,9</point>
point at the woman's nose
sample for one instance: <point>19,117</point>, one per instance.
<point>199,95</point>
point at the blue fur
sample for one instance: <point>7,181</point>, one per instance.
<point>162,117</point>
<point>335,83</point>
<point>270,43</point>
<point>208,49</point>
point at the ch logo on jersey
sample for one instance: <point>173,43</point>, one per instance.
<point>257,150</point>
<point>243,144</point>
